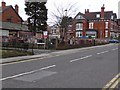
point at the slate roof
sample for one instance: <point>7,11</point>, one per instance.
<point>92,15</point>
<point>13,26</point>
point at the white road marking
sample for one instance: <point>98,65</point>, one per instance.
<point>102,52</point>
<point>26,73</point>
<point>81,58</point>
<point>114,49</point>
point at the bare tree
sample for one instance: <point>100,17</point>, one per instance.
<point>61,15</point>
<point>64,9</point>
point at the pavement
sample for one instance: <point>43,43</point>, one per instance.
<point>46,53</point>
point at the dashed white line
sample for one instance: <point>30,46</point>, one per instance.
<point>114,49</point>
<point>26,73</point>
<point>81,58</point>
<point>102,52</point>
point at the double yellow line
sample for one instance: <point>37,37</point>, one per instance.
<point>113,83</point>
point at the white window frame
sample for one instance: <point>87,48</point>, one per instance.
<point>79,34</point>
<point>112,17</point>
<point>106,33</point>
<point>106,25</point>
<point>69,27</point>
<point>91,25</point>
<point>97,15</point>
<point>79,26</point>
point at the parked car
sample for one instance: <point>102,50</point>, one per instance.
<point>113,41</point>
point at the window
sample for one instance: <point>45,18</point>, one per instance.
<point>106,25</point>
<point>79,26</point>
<point>112,17</point>
<point>69,27</point>
<point>4,32</point>
<point>91,25</point>
<point>79,34</point>
<point>97,15</point>
<point>53,31</point>
<point>106,33</point>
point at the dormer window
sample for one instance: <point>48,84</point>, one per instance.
<point>97,15</point>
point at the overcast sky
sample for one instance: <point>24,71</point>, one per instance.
<point>92,5</point>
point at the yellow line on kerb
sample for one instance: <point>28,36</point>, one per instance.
<point>113,83</point>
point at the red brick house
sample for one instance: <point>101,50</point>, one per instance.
<point>11,22</point>
<point>118,31</point>
<point>101,24</point>
<point>10,14</point>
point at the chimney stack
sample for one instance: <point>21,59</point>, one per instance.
<point>3,4</point>
<point>16,8</point>
<point>87,11</point>
<point>102,12</point>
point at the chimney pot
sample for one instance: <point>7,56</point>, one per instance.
<point>16,8</point>
<point>102,11</point>
<point>86,10</point>
<point>3,4</point>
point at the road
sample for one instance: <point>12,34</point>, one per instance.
<point>89,68</point>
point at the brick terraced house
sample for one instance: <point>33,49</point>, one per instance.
<point>118,31</point>
<point>101,24</point>
<point>11,23</point>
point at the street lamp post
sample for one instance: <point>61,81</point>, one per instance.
<point>66,23</point>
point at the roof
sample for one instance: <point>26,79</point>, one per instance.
<point>81,15</point>
<point>92,15</point>
<point>2,10</point>
<point>118,21</point>
<point>13,26</point>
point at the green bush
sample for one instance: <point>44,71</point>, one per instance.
<point>14,53</point>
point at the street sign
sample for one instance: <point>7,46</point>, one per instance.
<point>45,34</point>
